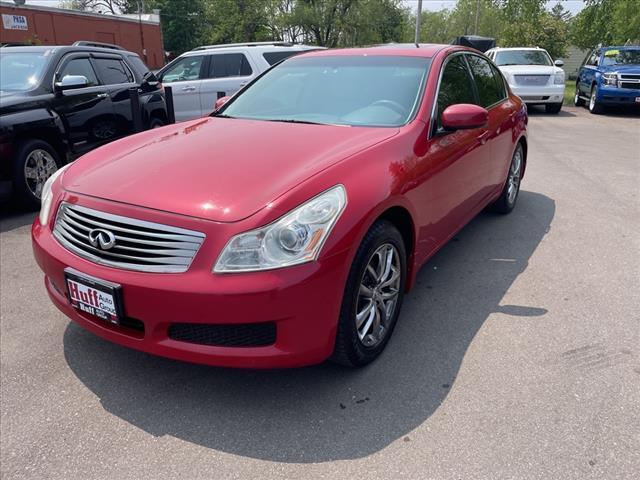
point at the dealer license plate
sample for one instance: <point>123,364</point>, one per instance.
<point>93,296</point>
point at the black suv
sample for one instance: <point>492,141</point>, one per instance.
<point>57,103</point>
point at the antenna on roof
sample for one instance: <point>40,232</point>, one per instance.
<point>418,21</point>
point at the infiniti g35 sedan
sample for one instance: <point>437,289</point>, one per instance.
<point>285,228</point>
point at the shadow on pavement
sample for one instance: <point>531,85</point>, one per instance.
<point>11,218</point>
<point>539,111</point>
<point>326,412</point>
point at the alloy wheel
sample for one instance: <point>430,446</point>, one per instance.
<point>513,182</point>
<point>38,167</point>
<point>378,295</point>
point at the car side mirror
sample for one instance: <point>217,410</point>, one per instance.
<point>150,79</point>
<point>70,82</point>
<point>220,102</point>
<point>558,63</point>
<point>464,116</point>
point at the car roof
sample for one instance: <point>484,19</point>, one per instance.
<point>621,47</point>
<point>393,49</point>
<point>517,48</point>
<point>63,49</point>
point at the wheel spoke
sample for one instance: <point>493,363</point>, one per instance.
<point>30,172</point>
<point>365,291</point>
<point>395,275</point>
<point>364,314</point>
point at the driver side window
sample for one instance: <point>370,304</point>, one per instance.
<point>79,66</point>
<point>456,86</point>
<point>185,69</point>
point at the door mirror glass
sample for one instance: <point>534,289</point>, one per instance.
<point>463,116</point>
<point>558,63</point>
<point>220,102</point>
<point>70,82</point>
<point>150,79</point>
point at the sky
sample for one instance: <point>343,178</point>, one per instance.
<point>574,6</point>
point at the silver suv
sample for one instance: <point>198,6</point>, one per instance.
<point>199,77</point>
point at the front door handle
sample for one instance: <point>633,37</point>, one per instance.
<point>484,136</point>
<point>188,88</point>
<point>102,95</point>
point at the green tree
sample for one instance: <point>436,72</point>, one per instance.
<point>607,22</point>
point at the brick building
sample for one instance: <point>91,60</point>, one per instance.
<point>30,24</point>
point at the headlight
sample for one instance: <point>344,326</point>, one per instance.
<point>47,196</point>
<point>293,239</point>
<point>610,79</point>
<point>558,78</point>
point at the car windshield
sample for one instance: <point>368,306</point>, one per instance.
<point>621,57</point>
<point>342,90</point>
<point>22,70</point>
<point>523,57</point>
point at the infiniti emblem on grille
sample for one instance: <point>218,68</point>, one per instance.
<point>102,239</point>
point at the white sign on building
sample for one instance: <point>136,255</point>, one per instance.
<point>14,22</point>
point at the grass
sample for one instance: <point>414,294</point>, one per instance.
<point>569,92</point>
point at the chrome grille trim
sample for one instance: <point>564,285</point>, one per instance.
<point>533,80</point>
<point>140,245</point>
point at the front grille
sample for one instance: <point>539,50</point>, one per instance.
<point>629,76</point>
<point>532,80</point>
<point>239,335</point>
<point>530,98</point>
<point>635,85</point>
<point>139,245</point>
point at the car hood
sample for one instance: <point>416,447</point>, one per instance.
<point>530,69</point>
<point>219,169</point>
<point>622,68</point>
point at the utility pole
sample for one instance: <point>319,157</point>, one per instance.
<point>418,21</point>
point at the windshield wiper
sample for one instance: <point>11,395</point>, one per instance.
<point>220,115</point>
<point>292,120</point>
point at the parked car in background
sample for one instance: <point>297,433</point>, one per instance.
<point>285,228</point>
<point>57,103</point>
<point>201,76</point>
<point>609,76</point>
<point>532,75</point>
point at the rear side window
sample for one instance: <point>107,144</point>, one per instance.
<point>138,64</point>
<point>113,71</point>
<point>228,65</point>
<point>489,83</point>
<point>456,86</point>
<point>79,66</point>
<point>274,57</point>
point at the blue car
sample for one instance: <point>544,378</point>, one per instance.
<point>609,76</point>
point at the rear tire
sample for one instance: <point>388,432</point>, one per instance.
<point>553,107</point>
<point>33,163</point>
<point>578,101</point>
<point>371,305</point>
<point>594,106</point>
<point>507,199</point>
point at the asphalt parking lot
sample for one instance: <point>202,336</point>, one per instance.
<point>517,356</point>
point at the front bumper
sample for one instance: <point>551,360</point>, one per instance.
<point>618,96</point>
<point>540,95</point>
<point>303,301</point>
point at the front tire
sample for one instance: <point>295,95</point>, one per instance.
<point>156,122</point>
<point>33,163</point>
<point>553,107</point>
<point>372,297</point>
<point>594,105</point>
<point>507,199</point>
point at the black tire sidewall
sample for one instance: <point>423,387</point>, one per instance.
<point>23,194</point>
<point>352,351</point>
<point>156,123</point>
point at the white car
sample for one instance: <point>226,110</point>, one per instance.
<point>532,75</point>
<point>201,76</point>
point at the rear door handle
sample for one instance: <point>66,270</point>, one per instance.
<point>102,95</point>
<point>188,88</point>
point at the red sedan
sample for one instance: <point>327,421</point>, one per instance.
<point>285,228</point>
